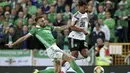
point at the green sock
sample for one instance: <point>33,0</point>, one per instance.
<point>75,67</point>
<point>51,70</point>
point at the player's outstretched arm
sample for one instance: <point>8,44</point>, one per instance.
<point>61,28</point>
<point>19,40</point>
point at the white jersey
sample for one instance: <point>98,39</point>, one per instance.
<point>81,21</point>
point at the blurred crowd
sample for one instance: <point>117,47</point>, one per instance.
<point>109,20</point>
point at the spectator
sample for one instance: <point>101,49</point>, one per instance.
<point>21,17</point>
<point>52,15</point>
<point>97,33</point>
<point>25,43</point>
<point>74,6</point>
<point>109,8</point>
<point>101,14</point>
<point>102,54</point>
<point>13,3</point>
<point>23,3</point>
<point>38,3</point>
<point>1,20</point>
<point>5,27</point>
<point>4,3</point>
<point>69,2</point>
<point>1,11</point>
<point>67,15</point>
<point>128,4</point>
<point>7,8</point>
<point>11,37</point>
<point>26,14</point>
<point>45,7</point>
<point>92,17</point>
<point>7,16</point>
<point>13,16</point>
<point>91,3</point>
<point>33,17</point>
<point>30,23</point>
<point>19,28</point>
<point>31,8</point>
<point>39,12</point>
<point>66,41</point>
<point>59,22</point>
<point>125,2</point>
<point>3,32</point>
<point>122,22</point>
<point>45,16</point>
<point>60,8</point>
<point>51,2</point>
<point>105,29</point>
<point>110,22</point>
<point>18,8</point>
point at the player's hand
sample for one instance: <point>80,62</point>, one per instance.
<point>9,45</point>
<point>85,32</point>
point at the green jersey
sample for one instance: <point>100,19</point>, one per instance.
<point>44,34</point>
<point>101,15</point>
<point>122,13</point>
<point>52,17</point>
<point>111,25</point>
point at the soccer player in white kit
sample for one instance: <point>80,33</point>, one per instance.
<point>78,34</point>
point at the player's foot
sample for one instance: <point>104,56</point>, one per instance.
<point>67,66</point>
<point>36,71</point>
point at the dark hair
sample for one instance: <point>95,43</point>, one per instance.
<point>82,2</point>
<point>97,24</point>
<point>37,18</point>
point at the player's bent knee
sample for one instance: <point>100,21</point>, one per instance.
<point>67,57</point>
<point>70,58</point>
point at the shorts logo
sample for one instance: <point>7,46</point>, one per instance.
<point>85,44</point>
<point>75,45</point>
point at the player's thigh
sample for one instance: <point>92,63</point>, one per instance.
<point>67,57</point>
<point>73,44</point>
<point>54,52</point>
<point>83,48</point>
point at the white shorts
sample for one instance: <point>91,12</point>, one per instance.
<point>54,52</point>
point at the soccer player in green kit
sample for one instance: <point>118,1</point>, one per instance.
<point>43,33</point>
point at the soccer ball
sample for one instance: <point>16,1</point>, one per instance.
<point>98,69</point>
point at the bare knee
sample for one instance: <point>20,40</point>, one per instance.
<point>84,53</point>
<point>67,57</point>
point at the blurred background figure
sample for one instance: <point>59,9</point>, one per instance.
<point>96,33</point>
<point>105,29</point>
<point>11,37</point>
<point>110,23</point>
<point>121,16</point>
<point>25,43</point>
<point>102,54</point>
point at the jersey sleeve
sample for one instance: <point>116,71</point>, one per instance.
<point>75,18</point>
<point>52,27</point>
<point>33,31</point>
